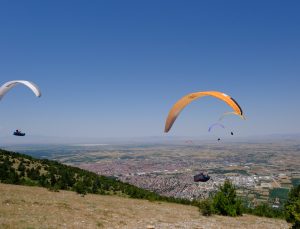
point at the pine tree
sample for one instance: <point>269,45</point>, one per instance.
<point>225,202</point>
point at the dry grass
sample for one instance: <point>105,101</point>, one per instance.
<point>34,207</point>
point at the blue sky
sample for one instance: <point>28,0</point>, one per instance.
<point>115,68</point>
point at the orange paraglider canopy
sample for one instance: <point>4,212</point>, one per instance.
<point>187,99</point>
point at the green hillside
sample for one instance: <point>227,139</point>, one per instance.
<point>16,168</point>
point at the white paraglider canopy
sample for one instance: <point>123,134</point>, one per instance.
<point>11,84</point>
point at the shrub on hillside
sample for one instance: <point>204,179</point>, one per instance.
<point>80,188</point>
<point>223,202</point>
<point>292,207</point>
<point>206,207</point>
<point>226,202</point>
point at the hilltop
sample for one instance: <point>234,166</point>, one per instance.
<point>36,207</point>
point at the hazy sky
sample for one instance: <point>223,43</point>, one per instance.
<point>115,68</point>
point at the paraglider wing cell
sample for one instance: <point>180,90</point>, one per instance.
<point>183,102</point>
<point>11,84</point>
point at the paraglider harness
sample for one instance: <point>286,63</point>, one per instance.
<point>201,177</point>
<point>19,133</point>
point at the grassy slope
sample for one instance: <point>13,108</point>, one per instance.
<point>35,207</point>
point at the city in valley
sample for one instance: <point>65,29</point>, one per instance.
<point>262,171</point>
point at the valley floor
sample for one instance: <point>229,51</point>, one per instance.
<point>35,207</point>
